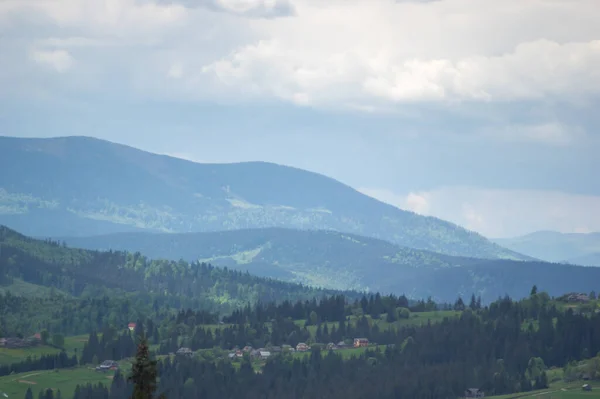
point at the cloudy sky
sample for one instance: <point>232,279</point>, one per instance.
<point>482,112</point>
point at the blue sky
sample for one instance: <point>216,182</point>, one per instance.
<point>476,111</point>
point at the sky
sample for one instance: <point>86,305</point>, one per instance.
<point>481,112</point>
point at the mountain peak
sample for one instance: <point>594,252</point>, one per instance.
<point>84,186</point>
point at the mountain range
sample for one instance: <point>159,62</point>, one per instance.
<point>78,186</point>
<point>552,246</point>
<point>344,261</point>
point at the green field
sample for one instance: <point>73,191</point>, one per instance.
<point>72,344</point>
<point>22,288</point>
<point>415,319</point>
<point>344,353</point>
<point>15,386</point>
<point>557,391</point>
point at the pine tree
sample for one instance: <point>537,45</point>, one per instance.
<point>533,290</point>
<point>143,373</point>
<point>29,394</point>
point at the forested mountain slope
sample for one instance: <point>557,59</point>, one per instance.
<point>84,186</point>
<point>94,274</point>
<point>345,261</point>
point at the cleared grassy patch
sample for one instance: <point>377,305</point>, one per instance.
<point>415,319</point>
<point>15,386</point>
<point>559,390</point>
<point>73,345</point>
<point>21,288</point>
<point>344,353</point>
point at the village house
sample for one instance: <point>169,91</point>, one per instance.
<point>586,387</point>
<point>255,353</point>
<point>265,355</point>
<point>474,393</point>
<point>131,326</point>
<point>302,347</point>
<point>578,298</point>
<point>185,352</point>
<point>16,343</point>
<point>342,345</point>
<point>331,346</point>
<point>360,342</point>
<point>108,365</point>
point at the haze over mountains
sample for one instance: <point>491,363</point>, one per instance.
<point>77,186</point>
<point>271,220</point>
<point>552,246</point>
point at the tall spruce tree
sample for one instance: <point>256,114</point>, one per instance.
<point>143,373</point>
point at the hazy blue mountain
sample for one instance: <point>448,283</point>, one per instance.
<point>552,246</point>
<point>345,261</point>
<point>83,186</point>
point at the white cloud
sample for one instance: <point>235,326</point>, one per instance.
<point>503,213</point>
<point>117,21</point>
<point>351,53</point>
<point>533,71</point>
<point>60,60</point>
<point>440,51</point>
<point>418,203</point>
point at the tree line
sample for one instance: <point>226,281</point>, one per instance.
<point>503,348</point>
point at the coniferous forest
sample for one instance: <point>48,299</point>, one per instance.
<point>502,348</point>
<point>215,333</point>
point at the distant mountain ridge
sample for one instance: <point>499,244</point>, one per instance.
<point>345,261</point>
<point>316,257</point>
<point>35,266</point>
<point>77,186</point>
<point>576,248</point>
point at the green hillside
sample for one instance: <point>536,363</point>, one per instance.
<point>84,186</point>
<point>321,258</point>
<point>345,261</point>
<point>78,273</point>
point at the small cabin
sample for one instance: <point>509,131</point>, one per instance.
<point>360,342</point>
<point>108,365</point>
<point>474,393</point>
<point>301,347</point>
<point>184,352</point>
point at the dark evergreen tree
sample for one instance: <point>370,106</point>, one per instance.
<point>143,373</point>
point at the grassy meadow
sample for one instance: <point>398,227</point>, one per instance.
<point>73,345</point>
<point>415,319</point>
<point>15,385</point>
